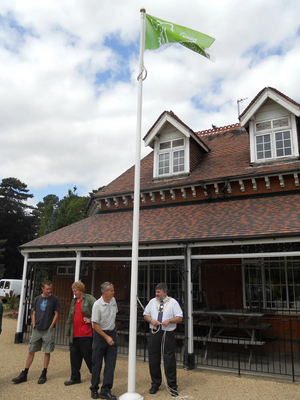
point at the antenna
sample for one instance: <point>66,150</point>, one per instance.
<point>238,104</point>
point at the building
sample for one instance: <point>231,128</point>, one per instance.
<point>219,223</point>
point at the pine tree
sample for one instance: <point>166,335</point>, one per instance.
<point>17,223</point>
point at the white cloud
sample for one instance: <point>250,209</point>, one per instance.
<point>68,70</point>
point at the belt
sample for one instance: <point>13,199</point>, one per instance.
<point>107,331</point>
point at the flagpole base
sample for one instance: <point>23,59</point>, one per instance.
<point>131,396</point>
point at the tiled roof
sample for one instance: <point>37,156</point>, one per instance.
<point>228,219</point>
<point>229,157</point>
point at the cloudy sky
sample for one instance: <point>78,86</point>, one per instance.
<point>68,87</point>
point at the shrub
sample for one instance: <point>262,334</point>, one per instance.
<point>12,301</point>
<point>14,314</point>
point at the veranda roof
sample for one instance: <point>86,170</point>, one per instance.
<point>242,218</point>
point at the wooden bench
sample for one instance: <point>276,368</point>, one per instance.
<point>231,340</point>
<point>234,325</point>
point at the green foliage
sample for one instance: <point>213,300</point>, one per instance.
<point>2,250</point>
<point>55,214</point>
<point>46,212</point>
<point>12,301</point>
<point>17,222</point>
<point>21,223</point>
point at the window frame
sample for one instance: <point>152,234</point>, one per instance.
<point>272,131</point>
<point>282,295</point>
<point>171,151</point>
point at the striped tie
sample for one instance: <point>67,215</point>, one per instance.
<point>160,313</point>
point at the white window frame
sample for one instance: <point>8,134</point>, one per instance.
<point>171,151</point>
<point>68,270</point>
<point>291,127</point>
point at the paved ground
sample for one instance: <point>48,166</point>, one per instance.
<point>196,384</point>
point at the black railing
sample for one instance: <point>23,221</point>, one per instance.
<point>275,350</point>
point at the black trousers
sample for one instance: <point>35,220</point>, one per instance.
<point>80,349</point>
<point>102,350</point>
<point>154,354</point>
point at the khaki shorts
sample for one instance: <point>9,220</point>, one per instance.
<point>39,337</point>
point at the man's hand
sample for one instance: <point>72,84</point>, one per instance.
<point>109,340</point>
<point>155,323</point>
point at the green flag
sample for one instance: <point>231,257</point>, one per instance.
<point>161,34</point>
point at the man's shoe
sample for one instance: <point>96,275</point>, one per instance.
<point>72,382</point>
<point>174,393</point>
<point>153,389</point>
<point>107,395</point>
<point>94,395</point>
<point>42,378</point>
<point>21,378</point>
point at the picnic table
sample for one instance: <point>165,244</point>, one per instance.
<point>232,327</point>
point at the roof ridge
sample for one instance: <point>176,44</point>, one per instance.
<point>219,129</point>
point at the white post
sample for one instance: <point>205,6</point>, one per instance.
<point>19,333</point>
<point>77,265</point>
<point>131,395</point>
<point>189,298</point>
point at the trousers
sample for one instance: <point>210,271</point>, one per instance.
<point>154,353</point>
<point>80,349</point>
<point>102,350</point>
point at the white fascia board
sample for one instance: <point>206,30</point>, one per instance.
<point>177,125</point>
<point>273,96</point>
<point>159,126</point>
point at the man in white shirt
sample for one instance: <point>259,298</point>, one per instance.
<point>104,342</point>
<point>163,314</point>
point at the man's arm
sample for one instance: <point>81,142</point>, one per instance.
<point>151,320</point>
<point>54,319</point>
<point>103,334</point>
<point>174,320</point>
<point>33,319</point>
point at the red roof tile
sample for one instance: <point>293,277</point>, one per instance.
<point>229,157</point>
<point>241,218</point>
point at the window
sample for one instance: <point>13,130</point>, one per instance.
<point>153,272</point>
<point>63,270</point>
<point>273,139</point>
<point>171,157</point>
<point>272,283</point>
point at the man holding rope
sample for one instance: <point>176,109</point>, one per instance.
<point>163,314</point>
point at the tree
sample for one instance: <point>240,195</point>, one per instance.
<point>17,221</point>
<point>54,214</point>
<point>46,211</point>
<point>2,250</point>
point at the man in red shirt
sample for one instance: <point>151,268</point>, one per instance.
<point>79,330</point>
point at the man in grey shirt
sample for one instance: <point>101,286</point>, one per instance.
<point>104,342</point>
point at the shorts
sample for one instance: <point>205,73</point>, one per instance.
<point>39,337</point>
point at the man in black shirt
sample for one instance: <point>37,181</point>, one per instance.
<point>44,316</point>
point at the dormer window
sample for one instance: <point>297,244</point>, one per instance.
<point>273,139</point>
<point>171,157</point>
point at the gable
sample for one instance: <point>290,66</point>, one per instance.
<point>271,122</point>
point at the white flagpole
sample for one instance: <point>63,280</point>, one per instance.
<point>131,394</point>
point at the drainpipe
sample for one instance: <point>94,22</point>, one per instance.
<point>189,355</point>
<point>19,333</point>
